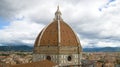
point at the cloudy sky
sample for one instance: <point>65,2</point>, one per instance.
<point>96,22</point>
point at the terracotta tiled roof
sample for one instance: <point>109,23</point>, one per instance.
<point>0,65</point>
<point>49,35</point>
<point>57,33</point>
<point>44,63</point>
<point>1,57</point>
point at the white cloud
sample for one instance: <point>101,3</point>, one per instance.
<point>95,21</point>
<point>20,31</point>
<point>108,44</point>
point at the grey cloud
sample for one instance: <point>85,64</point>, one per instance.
<point>6,10</point>
<point>15,43</point>
<point>84,19</point>
<point>9,8</point>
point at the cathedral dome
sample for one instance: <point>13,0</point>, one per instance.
<point>57,33</point>
<point>57,42</point>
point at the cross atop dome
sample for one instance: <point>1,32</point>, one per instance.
<point>58,14</point>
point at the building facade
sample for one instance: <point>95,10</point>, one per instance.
<point>57,42</point>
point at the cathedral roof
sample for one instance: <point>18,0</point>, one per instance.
<point>43,63</point>
<point>57,33</point>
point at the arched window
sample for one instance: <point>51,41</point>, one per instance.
<point>48,58</point>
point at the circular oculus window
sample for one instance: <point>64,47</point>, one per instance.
<point>69,58</point>
<point>48,58</point>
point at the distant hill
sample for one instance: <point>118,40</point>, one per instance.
<point>30,48</point>
<point>16,48</point>
<point>102,49</point>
